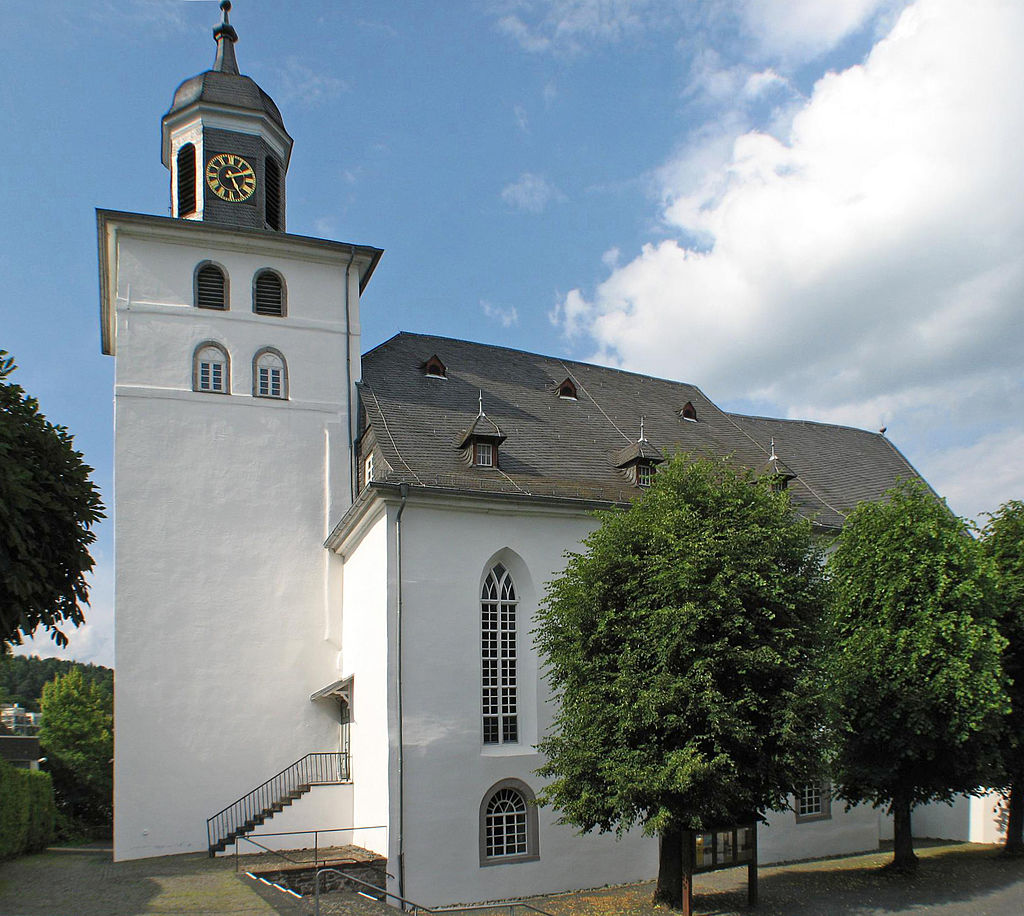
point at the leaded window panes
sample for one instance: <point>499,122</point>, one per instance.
<point>498,650</point>
<point>505,826</point>
<point>270,375</point>
<point>210,370</point>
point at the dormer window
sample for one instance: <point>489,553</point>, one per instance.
<point>479,443</point>
<point>483,454</point>
<point>434,368</point>
<point>567,390</point>
<point>688,412</point>
<point>368,469</point>
<point>639,461</point>
<point>644,474</point>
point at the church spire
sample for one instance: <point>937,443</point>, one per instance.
<point>225,36</point>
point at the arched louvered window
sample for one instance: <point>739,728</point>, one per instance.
<point>272,192</point>
<point>210,286</point>
<point>211,368</point>
<point>269,375</point>
<point>186,172</point>
<point>498,651</point>
<point>508,824</point>
<point>268,293</point>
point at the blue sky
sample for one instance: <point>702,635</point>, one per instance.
<point>808,209</point>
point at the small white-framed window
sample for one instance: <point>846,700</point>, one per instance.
<point>813,802</point>
<point>644,474</point>
<point>211,368</point>
<point>368,469</point>
<point>269,375</point>
<point>508,824</point>
<point>483,454</point>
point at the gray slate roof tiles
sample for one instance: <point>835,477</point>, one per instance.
<point>570,448</point>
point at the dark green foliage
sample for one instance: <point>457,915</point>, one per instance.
<point>22,677</point>
<point>26,811</point>
<point>681,647</point>
<point>77,737</point>
<point>47,506</point>
<point>914,657</point>
<point>1003,543</point>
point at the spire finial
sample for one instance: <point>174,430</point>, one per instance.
<point>481,400</point>
<point>643,437</point>
<point>225,36</point>
<point>773,456</point>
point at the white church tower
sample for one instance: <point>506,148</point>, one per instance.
<point>237,353</point>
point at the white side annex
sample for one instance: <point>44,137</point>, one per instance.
<point>319,564</point>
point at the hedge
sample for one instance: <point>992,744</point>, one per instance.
<point>27,811</point>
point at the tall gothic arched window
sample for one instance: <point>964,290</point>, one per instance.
<point>499,658</point>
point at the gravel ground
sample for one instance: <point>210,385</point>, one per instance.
<point>953,880</point>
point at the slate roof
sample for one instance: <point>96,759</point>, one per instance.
<point>557,447</point>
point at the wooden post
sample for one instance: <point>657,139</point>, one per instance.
<point>687,902</point>
<point>752,872</point>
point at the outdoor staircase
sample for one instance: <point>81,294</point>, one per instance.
<point>276,794</point>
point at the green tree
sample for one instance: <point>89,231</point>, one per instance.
<point>77,737</point>
<point>913,659</point>
<point>1003,543</point>
<point>47,506</point>
<point>680,645</point>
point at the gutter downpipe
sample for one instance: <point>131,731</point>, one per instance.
<point>350,420</point>
<point>403,491</point>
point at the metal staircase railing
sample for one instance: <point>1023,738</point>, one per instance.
<point>275,794</point>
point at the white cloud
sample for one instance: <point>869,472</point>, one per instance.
<point>505,316</point>
<point>868,264</point>
<point>572,25</point>
<point>530,193</point>
<point>522,122</point>
<point>301,84</point>
<point>804,29</point>
<point>980,477</point>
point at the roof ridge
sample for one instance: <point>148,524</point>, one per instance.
<point>521,352</point>
<point>856,429</point>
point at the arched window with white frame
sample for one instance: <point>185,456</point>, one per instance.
<point>508,824</point>
<point>211,368</point>
<point>499,658</point>
<point>269,375</point>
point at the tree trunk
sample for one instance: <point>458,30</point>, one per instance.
<point>903,839</point>
<point>670,869</point>
<point>1015,820</point>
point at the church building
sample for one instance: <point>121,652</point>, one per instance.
<point>328,563</point>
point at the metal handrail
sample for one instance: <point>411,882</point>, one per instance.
<point>313,769</point>
<point>419,907</point>
<point>316,842</point>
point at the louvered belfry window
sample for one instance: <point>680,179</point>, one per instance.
<point>186,180</point>
<point>498,650</point>
<point>272,192</point>
<point>211,287</point>
<point>268,294</point>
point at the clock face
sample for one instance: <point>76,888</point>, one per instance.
<point>230,177</point>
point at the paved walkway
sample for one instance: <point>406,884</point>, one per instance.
<point>954,880</point>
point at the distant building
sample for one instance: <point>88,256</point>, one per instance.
<point>18,721</point>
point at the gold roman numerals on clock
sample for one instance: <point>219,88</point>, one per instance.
<point>230,177</point>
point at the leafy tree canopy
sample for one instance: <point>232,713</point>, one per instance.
<point>77,736</point>
<point>22,677</point>
<point>680,645</point>
<point>1003,543</point>
<point>914,657</point>
<point>47,507</point>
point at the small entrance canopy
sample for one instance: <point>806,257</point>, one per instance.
<point>341,690</point>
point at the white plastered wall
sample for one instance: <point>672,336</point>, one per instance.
<point>446,553</point>
<point>222,504</point>
<point>365,653</point>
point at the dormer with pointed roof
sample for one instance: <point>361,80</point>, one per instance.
<point>226,146</point>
